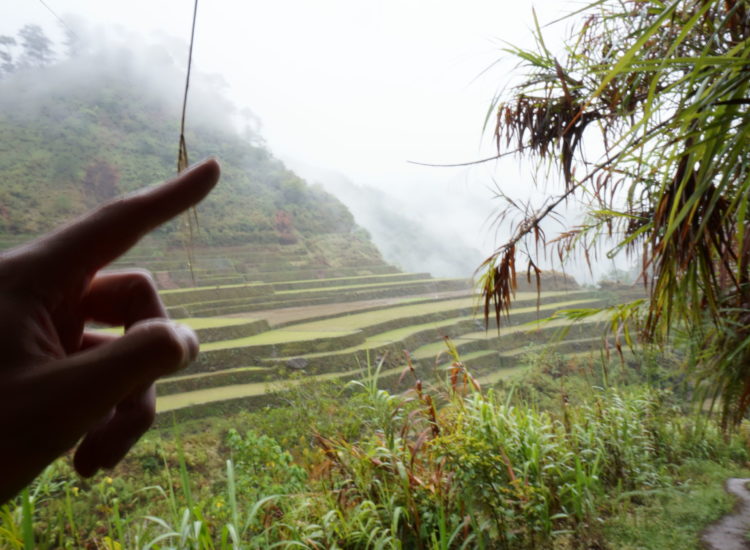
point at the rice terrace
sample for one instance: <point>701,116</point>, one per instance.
<point>259,332</point>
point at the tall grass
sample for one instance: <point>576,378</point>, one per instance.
<point>430,469</point>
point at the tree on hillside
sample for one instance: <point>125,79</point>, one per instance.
<point>37,47</point>
<point>6,54</point>
<point>32,48</point>
<point>661,87</point>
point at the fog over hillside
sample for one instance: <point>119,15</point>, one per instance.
<point>83,90</point>
<point>403,231</point>
<point>103,119</point>
<point>360,115</point>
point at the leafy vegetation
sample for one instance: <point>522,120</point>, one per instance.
<point>439,467</point>
<point>645,115</point>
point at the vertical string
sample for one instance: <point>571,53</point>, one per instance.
<point>182,155</point>
<point>191,217</point>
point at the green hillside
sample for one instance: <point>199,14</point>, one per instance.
<point>85,129</point>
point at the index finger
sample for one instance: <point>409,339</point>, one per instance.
<point>104,234</point>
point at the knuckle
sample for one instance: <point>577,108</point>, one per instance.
<point>110,209</point>
<point>141,283</point>
<point>170,346</point>
<point>143,296</point>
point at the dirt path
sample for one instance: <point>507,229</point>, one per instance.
<point>730,532</point>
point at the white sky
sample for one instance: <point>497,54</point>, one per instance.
<point>353,86</point>
<point>350,84</point>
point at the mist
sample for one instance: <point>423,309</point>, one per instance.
<point>404,229</point>
<point>150,67</point>
<point>342,105</point>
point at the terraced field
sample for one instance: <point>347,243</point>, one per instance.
<point>250,371</point>
<point>268,320</point>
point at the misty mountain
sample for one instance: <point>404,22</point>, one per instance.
<point>105,120</point>
<point>395,227</point>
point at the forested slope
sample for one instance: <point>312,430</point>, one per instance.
<point>81,130</point>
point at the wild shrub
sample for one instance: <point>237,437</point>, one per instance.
<point>446,468</point>
<point>480,471</point>
<point>262,468</point>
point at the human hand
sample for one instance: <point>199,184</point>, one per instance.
<point>60,383</point>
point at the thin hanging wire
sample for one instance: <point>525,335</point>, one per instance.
<point>182,156</point>
<point>191,217</point>
<point>54,14</point>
